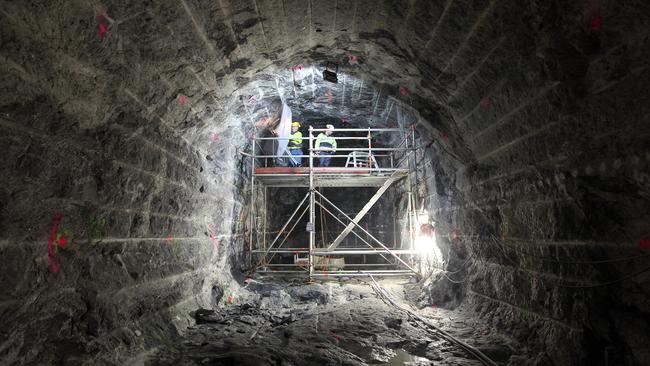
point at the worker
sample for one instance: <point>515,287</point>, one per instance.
<point>325,146</point>
<point>295,145</point>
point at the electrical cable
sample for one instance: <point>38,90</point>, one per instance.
<point>383,295</point>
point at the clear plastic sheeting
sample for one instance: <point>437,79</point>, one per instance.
<point>284,129</point>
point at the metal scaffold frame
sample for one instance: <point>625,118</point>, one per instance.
<point>260,255</point>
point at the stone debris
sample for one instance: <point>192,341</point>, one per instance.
<point>329,324</point>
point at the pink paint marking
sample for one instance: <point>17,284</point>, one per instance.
<point>403,91</point>
<point>214,137</point>
<point>454,235</point>
<point>427,229</point>
<point>445,138</point>
<point>297,67</point>
<point>596,23</point>
<point>330,97</point>
<point>486,102</point>
<point>102,31</point>
<point>213,237</point>
<point>252,99</point>
<point>169,238</point>
<point>62,242</point>
<point>182,99</point>
<point>353,59</point>
<point>54,267</point>
<point>644,243</point>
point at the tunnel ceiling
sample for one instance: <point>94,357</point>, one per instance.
<point>188,64</point>
<point>217,54</point>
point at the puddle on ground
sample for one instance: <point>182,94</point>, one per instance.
<point>402,358</point>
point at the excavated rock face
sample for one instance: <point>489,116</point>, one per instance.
<point>123,192</point>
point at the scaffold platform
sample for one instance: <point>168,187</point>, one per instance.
<point>313,261</point>
<point>325,176</point>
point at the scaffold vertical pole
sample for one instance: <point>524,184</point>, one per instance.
<point>251,213</point>
<point>312,203</point>
<point>264,222</point>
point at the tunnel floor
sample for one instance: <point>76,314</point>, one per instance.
<point>332,323</point>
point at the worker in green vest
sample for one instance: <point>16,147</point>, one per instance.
<point>295,145</point>
<point>325,146</point>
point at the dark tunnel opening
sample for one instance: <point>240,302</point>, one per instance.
<point>487,202</point>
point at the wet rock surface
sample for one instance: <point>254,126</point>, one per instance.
<point>351,327</point>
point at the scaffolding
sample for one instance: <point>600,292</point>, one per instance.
<point>361,170</point>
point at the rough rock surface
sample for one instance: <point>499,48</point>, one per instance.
<point>121,123</point>
<point>293,325</point>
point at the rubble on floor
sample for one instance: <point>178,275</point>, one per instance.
<point>331,324</point>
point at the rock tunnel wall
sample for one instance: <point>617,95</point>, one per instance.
<point>554,198</point>
<point>125,118</point>
<point>107,233</point>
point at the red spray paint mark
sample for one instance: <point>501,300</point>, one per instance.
<point>353,59</point>
<point>248,280</point>
<point>62,242</point>
<point>644,243</point>
<point>54,267</point>
<point>213,237</point>
<point>596,23</point>
<point>214,137</point>
<point>454,235</point>
<point>486,102</point>
<point>427,229</point>
<point>181,99</point>
<point>403,91</point>
<point>169,238</point>
<point>445,138</point>
<point>102,30</point>
<point>298,67</point>
<point>330,97</point>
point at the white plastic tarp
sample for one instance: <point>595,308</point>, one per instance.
<point>284,129</point>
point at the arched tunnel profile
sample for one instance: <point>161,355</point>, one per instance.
<point>325,182</point>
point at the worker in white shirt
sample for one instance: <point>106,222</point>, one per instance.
<point>325,146</point>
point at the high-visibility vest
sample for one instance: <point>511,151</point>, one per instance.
<point>326,141</point>
<point>295,140</point>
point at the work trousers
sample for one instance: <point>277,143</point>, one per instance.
<point>295,160</point>
<point>324,158</point>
